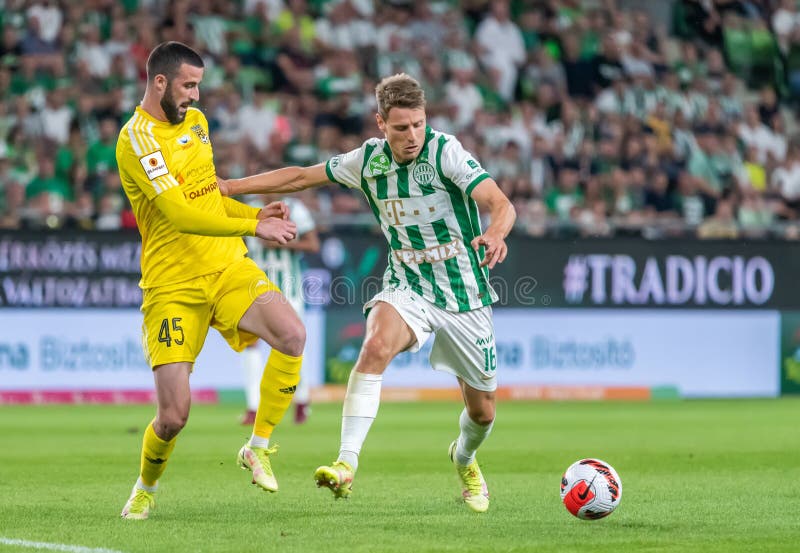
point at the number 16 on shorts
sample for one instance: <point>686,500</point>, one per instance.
<point>489,360</point>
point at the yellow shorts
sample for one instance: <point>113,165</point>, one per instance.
<point>177,317</point>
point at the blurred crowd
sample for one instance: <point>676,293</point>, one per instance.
<point>596,117</point>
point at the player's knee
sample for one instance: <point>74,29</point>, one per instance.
<point>483,416</point>
<point>170,423</point>
<point>376,351</point>
<point>293,340</point>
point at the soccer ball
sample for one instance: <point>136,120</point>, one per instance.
<point>591,489</point>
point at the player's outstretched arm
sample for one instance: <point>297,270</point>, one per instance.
<point>191,220</point>
<point>286,180</point>
<point>502,215</point>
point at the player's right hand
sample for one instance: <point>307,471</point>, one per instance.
<point>278,210</point>
<point>277,230</point>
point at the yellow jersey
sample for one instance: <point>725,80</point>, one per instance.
<point>155,156</point>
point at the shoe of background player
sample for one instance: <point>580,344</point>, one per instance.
<point>301,412</point>
<point>473,486</point>
<point>256,460</point>
<point>139,504</point>
<point>248,418</point>
<point>338,478</point>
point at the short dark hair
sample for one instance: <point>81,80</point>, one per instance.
<point>167,57</point>
<point>399,91</point>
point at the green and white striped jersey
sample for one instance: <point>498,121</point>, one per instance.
<point>283,265</point>
<point>427,215</point>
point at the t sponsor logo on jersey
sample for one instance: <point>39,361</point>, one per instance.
<point>379,164</point>
<point>201,133</point>
<point>396,211</point>
<point>154,165</point>
<point>434,254</point>
<point>423,173</point>
<point>472,164</point>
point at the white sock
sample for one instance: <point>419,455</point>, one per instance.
<point>253,365</point>
<point>359,410</point>
<point>141,486</point>
<point>258,441</point>
<point>471,437</point>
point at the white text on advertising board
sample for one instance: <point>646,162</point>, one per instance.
<point>604,279</point>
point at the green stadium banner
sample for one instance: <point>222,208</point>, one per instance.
<point>599,273</point>
<point>98,269</point>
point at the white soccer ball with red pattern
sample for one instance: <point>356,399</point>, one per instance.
<point>591,489</point>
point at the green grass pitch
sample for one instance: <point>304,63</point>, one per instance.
<point>709,476</point>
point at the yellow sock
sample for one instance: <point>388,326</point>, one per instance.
<point>278,384</point>
<point>155,453</point>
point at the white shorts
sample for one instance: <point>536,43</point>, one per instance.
<point>463,343</point>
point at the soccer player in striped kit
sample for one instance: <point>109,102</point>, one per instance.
<point>425,190</point>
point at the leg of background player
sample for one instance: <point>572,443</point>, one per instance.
<point>302,400</point>
<point>253,368</point>
<point>302,396</point>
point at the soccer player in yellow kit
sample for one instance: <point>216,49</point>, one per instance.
<point>194,270</point>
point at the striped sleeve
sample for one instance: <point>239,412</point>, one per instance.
<point>144,161</point>
<point>461,167</point>
<point>345,169</point>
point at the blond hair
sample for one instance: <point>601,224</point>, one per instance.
<point>399,91</point>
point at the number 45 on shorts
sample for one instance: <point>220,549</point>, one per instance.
<point>168,336</point>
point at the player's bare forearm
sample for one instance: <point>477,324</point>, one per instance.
<point>502,215</point>
<point>280,181</point>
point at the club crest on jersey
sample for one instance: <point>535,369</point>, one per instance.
<point>423,173</point>
<point>201,134</point>
<point>379,164</point>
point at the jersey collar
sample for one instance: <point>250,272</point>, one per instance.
<point>142,112</point>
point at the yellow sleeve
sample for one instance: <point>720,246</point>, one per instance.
<point>191,220</point>
<point>235,208</point>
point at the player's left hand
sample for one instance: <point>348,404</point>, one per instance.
<point>495,252</point>
<point>278,210</point>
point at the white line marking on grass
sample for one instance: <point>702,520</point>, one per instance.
<point>56,546</point>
